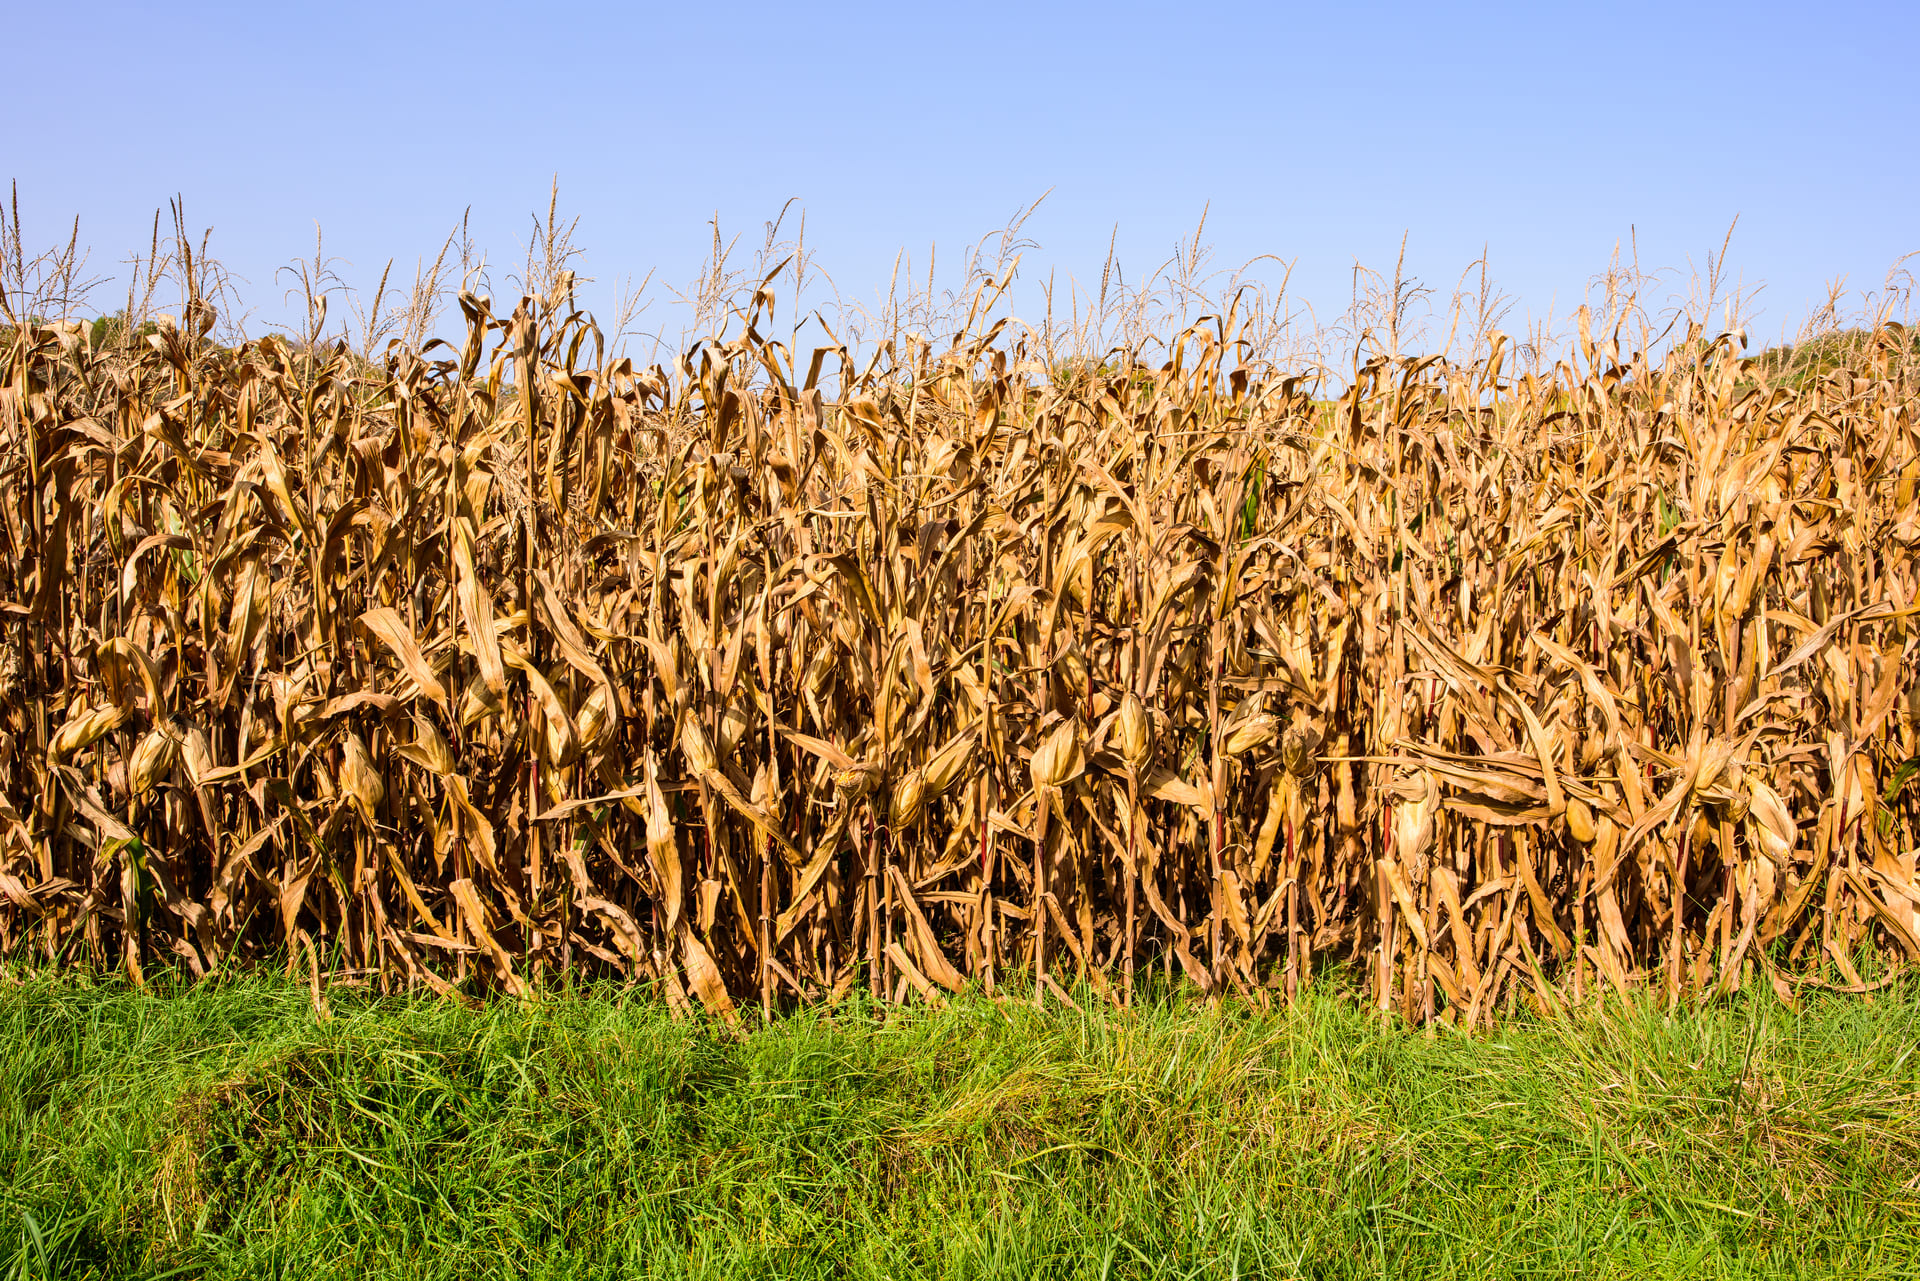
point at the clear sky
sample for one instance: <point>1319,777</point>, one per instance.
<point>1319,133</point>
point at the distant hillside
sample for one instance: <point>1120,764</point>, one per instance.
<point>1843,348</point>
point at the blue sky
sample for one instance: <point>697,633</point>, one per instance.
<point>1320,134</point>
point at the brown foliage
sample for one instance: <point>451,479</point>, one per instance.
<point>480,669</point>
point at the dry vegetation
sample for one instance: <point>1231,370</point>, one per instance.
<point>764,676</point>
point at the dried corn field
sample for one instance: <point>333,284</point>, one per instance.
<point>495,664</point>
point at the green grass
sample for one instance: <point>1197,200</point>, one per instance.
<point>1841,349</point>
<point>225,1131</point>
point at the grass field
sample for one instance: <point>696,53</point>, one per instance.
<point>225,1130</point>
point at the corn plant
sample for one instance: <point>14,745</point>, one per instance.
<point>478,666</point>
